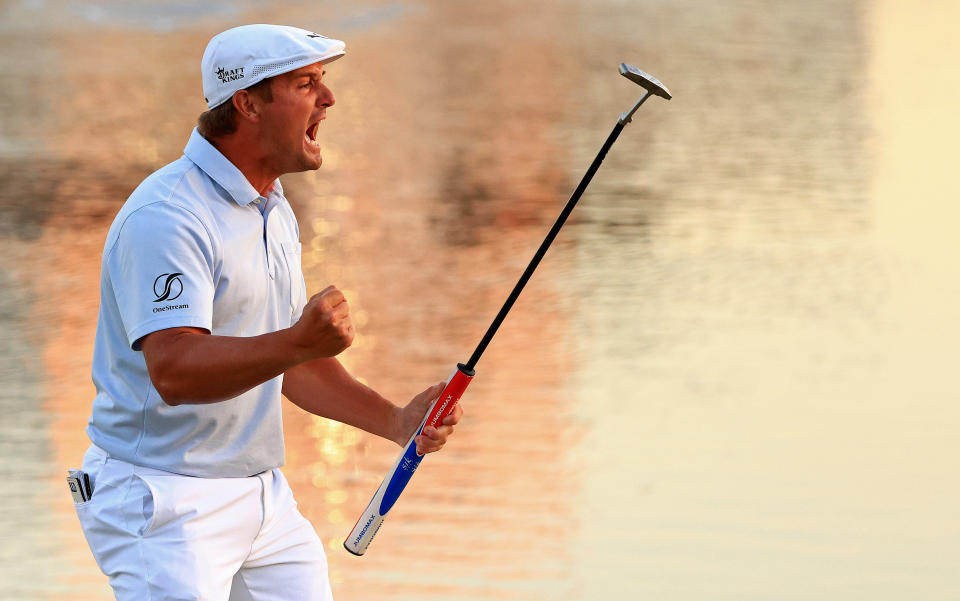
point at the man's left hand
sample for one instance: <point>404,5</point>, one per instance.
<point>409,418</point>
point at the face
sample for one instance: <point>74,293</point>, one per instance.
<point>290,125</point>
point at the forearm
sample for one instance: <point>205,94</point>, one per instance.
<point>193,367</point>
<point>323,387</point>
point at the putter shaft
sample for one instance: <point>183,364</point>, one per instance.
<point>652,86</point>
<point>538,256</point>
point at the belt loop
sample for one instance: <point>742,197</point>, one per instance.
<point>264,499</point>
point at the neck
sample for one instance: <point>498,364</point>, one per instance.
<point>245,156</point>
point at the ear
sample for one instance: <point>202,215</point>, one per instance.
<point>248,105</point>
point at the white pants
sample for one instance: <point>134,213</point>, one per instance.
<point>165,537</point>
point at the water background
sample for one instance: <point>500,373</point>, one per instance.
<point>731,378</point>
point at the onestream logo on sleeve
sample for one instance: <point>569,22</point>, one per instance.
<point>167,287</point>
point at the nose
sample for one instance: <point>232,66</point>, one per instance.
<point>325,98</point>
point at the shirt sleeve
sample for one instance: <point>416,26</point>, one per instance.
<point>162,270</point>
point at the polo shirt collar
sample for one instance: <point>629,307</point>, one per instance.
<point>219,168</point>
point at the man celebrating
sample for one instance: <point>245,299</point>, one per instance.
<point>203,322</point>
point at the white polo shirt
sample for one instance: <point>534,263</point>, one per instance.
<point>190,247</point>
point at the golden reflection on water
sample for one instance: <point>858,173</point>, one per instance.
<point>731,378</point>
<point>426,280</point>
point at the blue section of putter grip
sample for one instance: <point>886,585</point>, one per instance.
<point>398,482</point>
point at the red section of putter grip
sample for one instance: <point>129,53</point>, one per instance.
<point>450,395</point>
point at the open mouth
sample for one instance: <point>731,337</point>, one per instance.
<point>311,134</point>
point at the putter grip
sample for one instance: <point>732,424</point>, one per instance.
<point>406,464</point>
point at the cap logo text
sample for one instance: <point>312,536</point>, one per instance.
<point>227,75</point>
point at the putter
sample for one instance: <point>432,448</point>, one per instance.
<point>652,86</point>
<point>406,464</point>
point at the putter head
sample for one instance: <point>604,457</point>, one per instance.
<point>649,82</point>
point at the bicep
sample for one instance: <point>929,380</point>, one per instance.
<point>162,347</point>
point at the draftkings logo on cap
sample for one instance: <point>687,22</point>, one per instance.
<point>226,76</point>
<point>243,56</point>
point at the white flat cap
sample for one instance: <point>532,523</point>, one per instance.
<point>243,56</point>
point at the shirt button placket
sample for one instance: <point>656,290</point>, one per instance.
<point>271,258</point>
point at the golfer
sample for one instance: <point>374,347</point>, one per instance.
<point>204,321</point>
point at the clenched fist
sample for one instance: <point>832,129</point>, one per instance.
<point>324,328</point>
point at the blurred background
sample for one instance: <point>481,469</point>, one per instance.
<point>729,379</point>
